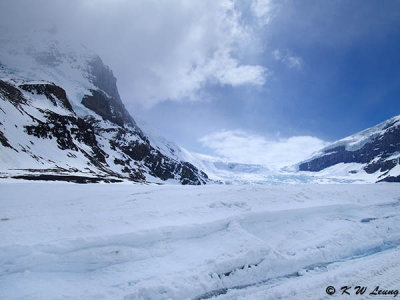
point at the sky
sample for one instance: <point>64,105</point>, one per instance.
<point>258,81</point>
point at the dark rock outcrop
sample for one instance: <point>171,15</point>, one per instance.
<point>67,131</point>
<point>108,108</point>
<point>390,179</point>
<point>11,93</point>
<point>68,178</point>
<point>158,164</point>
<point>106,100</point>
<point>52,92</point>
<point>4,141</point>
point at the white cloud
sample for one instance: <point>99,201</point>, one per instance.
<point>240,146</point>
<point>292,62</point>
<point>264,10</point>
<point>159,50</point>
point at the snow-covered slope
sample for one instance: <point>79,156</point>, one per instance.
<point>61,117</point>
<point>373,154</point>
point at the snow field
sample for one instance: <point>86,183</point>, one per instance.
<point>102,241</point>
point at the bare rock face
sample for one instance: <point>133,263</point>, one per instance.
<point>12,94</point>
<point>378,153</point>
<point>108,108</point>
<point>106,101</point>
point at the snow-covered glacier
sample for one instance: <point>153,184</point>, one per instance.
<point>131,241</point>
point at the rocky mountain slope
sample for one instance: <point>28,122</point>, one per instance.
<point>374,152</point>
<point>61,118</point>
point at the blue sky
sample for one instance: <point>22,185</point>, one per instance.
<point>348,78</point>
<point>246,80</point>
<point>334,70</point>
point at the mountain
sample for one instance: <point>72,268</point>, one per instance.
<point>61,118</point>
<point>373,153</point>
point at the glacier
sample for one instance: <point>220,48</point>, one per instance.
<point>124,241</point>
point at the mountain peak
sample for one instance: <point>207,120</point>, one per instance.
<point>61,115</point>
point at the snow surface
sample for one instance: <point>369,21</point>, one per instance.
<point>131,241</point>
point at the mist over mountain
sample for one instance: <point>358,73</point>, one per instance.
<point>62,119</point>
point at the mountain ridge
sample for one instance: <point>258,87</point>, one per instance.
<point>61,115</point>
<point>376,150</point>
